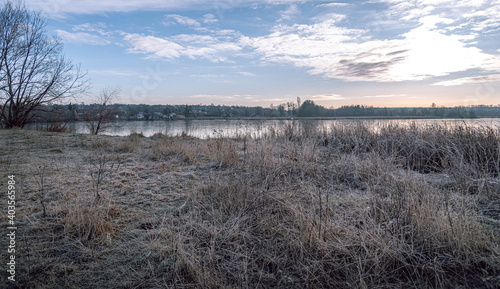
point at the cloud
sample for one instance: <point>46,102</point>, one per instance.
<point>351,54</point>
<point>195,39</point>
<point>244,73</point>
<point>470,80</point>
<point>115,73</point>
<point>93,27</point>
<point>209,18</point>
<point>289,13</point>
<point>208,75</point>
<point>333,5</point>
<point>485,20</point>
<point>58,8</point>
<point>477,15</point>
<point>212,96</point>
<point>329,17</point>
<point>433,53</point>
<point>329,50</point>
<point>213,52</point>
<point>184,45</point>
<point>300,41</point>
<point>386,95</point>
<point>320,97</point>
<point>178,19</point>
<point>431,21</point>
<point>153,46</point>
<point>81,38</point>
<point>215,78</point>
<point>213,45</point>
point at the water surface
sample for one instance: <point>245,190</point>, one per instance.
<point>234,127</point>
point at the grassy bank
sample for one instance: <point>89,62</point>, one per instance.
<point>301,207</point>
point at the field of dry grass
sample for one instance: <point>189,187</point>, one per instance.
<point>302,207</point>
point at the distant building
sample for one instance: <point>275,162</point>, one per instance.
<point>158,115</point>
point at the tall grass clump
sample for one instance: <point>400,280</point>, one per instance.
<point>130,144</point>
<point>185,150</point>
<point>86,220</point>
<point>425,148</point>
<point>349,207</point>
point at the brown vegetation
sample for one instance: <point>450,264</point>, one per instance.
<point>301,207</point>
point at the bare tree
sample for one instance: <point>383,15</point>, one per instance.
<point>101,114</point>
<point>33,69</point>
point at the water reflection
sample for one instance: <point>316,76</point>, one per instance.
<point>256,128</point>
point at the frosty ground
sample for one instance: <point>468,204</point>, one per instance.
<point>300,207</point>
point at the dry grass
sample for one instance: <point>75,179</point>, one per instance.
<point>300,207</point>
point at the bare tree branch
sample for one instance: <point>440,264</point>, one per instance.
<point>33,69</point>
<point>101,114</point>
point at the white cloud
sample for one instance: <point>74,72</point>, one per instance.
<point>329,50</point>
<point>115,73</point>
<point>330,17</point>
<point>153,46</point>
<point>486,19</point>
<point>178,19</point>
<point>386,95</point>
<point>195,39</point>
<point>320,97</point>
<point>212,96</point>
<point>215,78</point>
<point>225,32</point>
<point>289,13</point>
<point>333,5</point>
<point>244,73</point>
<point>303,42</point>
<point>209,18</point>
<point>81,38</point>
<point>208,75</point>
<point>471,3</point>
<point>93,27</point>
<point>479,15</point>
<point>417,12</point>
<point>470,80</point>
<point>429,22</point>
<point>57,8</point>
<point>337,52</point>
<point>435,54</point>
<point>183,45</point>
<point>272,100</point>
<point>212,52</point>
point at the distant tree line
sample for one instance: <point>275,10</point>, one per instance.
<point>80,112</point>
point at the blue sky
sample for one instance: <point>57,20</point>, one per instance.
<point>374,52</point>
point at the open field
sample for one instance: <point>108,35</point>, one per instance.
<point>301,207</point>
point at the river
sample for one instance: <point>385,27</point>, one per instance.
<point>233,127</point>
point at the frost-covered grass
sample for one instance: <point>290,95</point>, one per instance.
<point>300,207</point>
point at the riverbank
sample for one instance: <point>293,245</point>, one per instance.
<point>299,207</point>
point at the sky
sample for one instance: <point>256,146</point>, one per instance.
<point>385,53</point>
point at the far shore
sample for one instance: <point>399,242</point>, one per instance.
<point>250,118</point>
